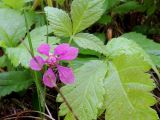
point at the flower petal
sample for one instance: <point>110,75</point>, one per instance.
<point>49,78</point>
<point>66,52</point>
<point>61,49</point>
<point>37,63</point>
<point>44,49</point>
<point>66,74</point>
<point>71,54</point>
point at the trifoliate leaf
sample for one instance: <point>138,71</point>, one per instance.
<point>86,95</point>
<point>60,21</point>
<point>85,12</point>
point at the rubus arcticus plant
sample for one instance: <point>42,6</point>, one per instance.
<point>110,80</point>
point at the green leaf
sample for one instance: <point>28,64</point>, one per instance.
<point>127,84</point>
<point>14,81</point>
<point>121,45</point>
<point>15,4</point>
<point>101,36</point>
<point>86,95</point>
<point>60,21</point>
<point>105,19</point>
<point>149,6</point>
<point>85,12</point>
<point>11,30</point>
<point>69,116</point>
<point>89,41</point>
<point>61,2</point>
<point>127,7</point>
<point>152,48</point>
<point>3,61</point>
<point>151,10</point>
<point>128,89</point>
<point>108,4</point>
<point>78,62</point>
<point>20,54</point>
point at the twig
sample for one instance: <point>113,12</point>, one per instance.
<point>29,111</point>
<point>48,110</point>
<point>11,118</point>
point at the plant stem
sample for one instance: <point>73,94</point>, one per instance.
<point>35,4</point>
<point>28,34</point>
<point>66,102</point>
<point>32,53</point>
<point>49,2</point>
<point>47,31</point>
<point>42,4</point>
<point>70,40</point>
<point>38,91</point>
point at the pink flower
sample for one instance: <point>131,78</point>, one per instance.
<point>61,52</point>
